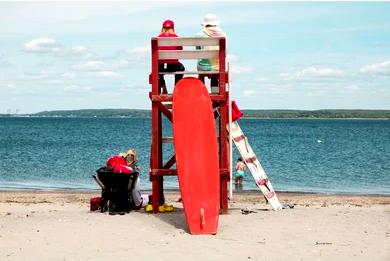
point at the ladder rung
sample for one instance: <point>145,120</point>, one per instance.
<point>239,138</point>
<point>250,159</point>
<point>270,194</point>
<point>262,181</point>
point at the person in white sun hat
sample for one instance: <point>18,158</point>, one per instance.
<point>210,28</point>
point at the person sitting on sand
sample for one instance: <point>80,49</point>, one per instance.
<point>130,157</point>
<point>140,201</point>
<point>240,168</point>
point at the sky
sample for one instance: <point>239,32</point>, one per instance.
<point>282,55</point>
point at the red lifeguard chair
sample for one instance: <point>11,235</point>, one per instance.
<point>162,104</point>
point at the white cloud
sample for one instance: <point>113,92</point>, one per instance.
<point>76,88</point>
<point>377,68</point>
<point>248,93</point>
<point>3,61</point>
<point>46,77</point>
<point>141,50</point>
<point>353,88</point>
<point>79,49</point>
<point>235,66</point>
<point>90,66</point>
<point>68,75</point>
<point>71,11</point>
<point>42,45</point>
<point>46,45</point>
<point>241,69</point>
<point>108,74</point>
<point>312,72</point>
<point>8,87</point>
<point>72,87</point>
<point>35,76</point>
<point>231,57</point>
<point>101,68</point>
<point>121,64</point>
<point>366,27</point>
<point>260,80</point>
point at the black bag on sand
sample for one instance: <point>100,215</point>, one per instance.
<point>116,190</point>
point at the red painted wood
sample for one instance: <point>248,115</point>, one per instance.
<point>197,160</point>
<point>157,168</point>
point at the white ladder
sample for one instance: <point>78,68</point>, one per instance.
<point>254,166</point>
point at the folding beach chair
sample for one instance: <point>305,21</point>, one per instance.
<point>116,190</point>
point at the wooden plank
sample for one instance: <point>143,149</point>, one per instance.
<point>163,172</point>
<point>224,172</point>
<point>167,140</point>
<point>165,111</point>
<point>218,97</point>
<point>168,105</point>
<point>168,97</point>
<point>188,41</point>
<point>173,172</point>
<point>154,74</point>
<point>180,54</point>
<point>161,97</point>
<point>157,169</point>
<point>170,162</point>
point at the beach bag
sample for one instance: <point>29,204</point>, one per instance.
<point>118,164</point>
<point>95,204</point>
<point>236,113</point>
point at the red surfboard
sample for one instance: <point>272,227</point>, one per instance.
<point>196,150</point>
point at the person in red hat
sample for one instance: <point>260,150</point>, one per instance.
<point>169,65</point>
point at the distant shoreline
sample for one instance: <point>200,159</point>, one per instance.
<point>248,114</point>
<point>245,118</point>
<point>304,118</point>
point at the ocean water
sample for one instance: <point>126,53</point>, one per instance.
<point>327,156</point>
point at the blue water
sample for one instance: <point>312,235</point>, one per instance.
<point>329,156</point>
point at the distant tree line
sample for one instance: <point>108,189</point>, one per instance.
<point>96,113</point>
<point>317,114</point>
<point>263,114</point>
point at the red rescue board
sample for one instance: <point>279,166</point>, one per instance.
<point>196,150</point>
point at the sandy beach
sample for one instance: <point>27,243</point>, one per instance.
<point>59,226</point>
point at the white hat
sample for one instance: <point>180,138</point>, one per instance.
<point>210,19</point>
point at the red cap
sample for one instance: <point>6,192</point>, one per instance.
<point>168,24</point>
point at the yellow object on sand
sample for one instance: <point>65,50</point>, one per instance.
<point>162,209</point>
<point>149,208</point>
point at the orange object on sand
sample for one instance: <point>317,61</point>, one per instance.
<point>197,160</point>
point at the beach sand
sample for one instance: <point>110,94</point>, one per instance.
<point>59,226</point>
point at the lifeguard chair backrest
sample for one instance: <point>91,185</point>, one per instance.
<point>210,53</point>
<point>191,53</point>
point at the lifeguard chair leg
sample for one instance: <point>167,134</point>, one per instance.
<point>224,193</point>
<point>157,193</point>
